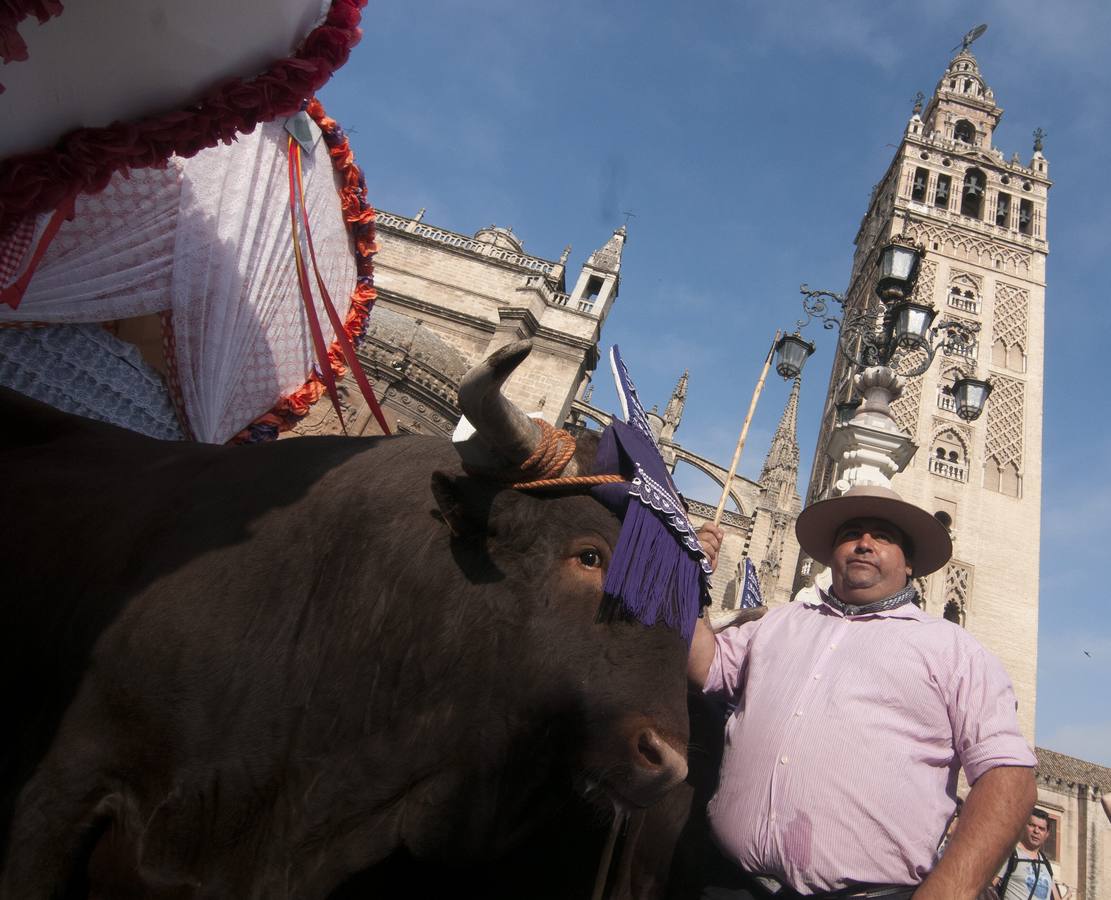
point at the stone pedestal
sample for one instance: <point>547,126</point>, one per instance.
<point>871,448</point>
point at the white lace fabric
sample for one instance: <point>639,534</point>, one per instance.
<point>210,239</point>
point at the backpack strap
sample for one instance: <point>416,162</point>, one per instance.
<point>1012,864</point>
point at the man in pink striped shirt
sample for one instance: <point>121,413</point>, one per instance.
<point>854,713</point>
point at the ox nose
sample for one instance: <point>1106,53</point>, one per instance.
<point>658,766</point>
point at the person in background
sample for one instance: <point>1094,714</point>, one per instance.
<point>1027,874</point>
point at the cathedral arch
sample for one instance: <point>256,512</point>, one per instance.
<point>707,472</point>
<point>602,421</point>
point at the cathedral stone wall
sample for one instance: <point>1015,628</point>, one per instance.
<point>475,294</point>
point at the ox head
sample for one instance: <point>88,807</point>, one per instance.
<point>613,689</point>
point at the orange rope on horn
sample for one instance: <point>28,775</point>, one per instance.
<point>573,481</point>
<point>554,451</point>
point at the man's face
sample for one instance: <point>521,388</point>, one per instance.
<point>1037,830</point>
<point>868,561</point>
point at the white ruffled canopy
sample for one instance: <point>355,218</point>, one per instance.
<point>210,239</point>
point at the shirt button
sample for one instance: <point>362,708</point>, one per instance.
<point>798,712</point>
<point>783,760</point>
<point>771,818</point>
<point>816,677</point>
<point>832,646</point>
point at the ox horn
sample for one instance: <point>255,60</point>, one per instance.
<point>501,425</point>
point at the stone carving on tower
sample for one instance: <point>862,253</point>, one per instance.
<point>981,218</point>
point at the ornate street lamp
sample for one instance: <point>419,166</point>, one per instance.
<point>887,339</point>
<point>970,396</point>
<point>791,354</point>
<point>898,269</point>
<point>911,326</point>
<point>897,333</point>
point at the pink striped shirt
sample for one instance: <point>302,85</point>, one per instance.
<point>841,758</point>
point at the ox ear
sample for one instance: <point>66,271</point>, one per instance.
<point>464,514</point>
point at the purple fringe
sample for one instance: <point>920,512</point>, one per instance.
<point>652,578</point>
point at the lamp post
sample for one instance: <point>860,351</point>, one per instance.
<point>791,351</point>
<point>888,340</point>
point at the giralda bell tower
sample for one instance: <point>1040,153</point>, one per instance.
<point>981,218</point>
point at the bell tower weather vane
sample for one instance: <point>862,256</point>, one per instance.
<point>972,35</point>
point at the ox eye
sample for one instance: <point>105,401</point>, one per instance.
<point>590,558</point>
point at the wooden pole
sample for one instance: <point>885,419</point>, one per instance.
<point>744,431</point>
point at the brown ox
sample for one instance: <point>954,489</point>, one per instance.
<point>255,671</point>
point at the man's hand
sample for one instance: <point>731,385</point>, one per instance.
<point>710,537</point>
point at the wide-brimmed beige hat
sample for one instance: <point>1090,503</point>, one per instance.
<point>817,525</point>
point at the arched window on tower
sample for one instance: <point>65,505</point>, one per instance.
<point>1026,217</point>
<point>964,293</point>
<point>972,194</point>
<point>918,185</point>
<point>965,132</point>
<point>1002,477</point>
<point>1008,356</point>
<point>1003,210</point>
<point>949,457</point>
<point>954,613</point>
<point>941,192</point>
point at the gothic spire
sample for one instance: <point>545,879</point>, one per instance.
<point>781,466</point>
<point>673,413</point>
<point>608,258</point>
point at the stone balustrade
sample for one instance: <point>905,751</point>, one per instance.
<point>947,469</point>
<point>392,221</point>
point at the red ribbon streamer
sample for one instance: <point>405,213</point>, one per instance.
<point>297,194</point>
<point>342,340</point>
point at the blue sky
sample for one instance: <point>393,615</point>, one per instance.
<point>745,138</point>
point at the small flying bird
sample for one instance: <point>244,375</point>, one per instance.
<point>1087,654</point>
